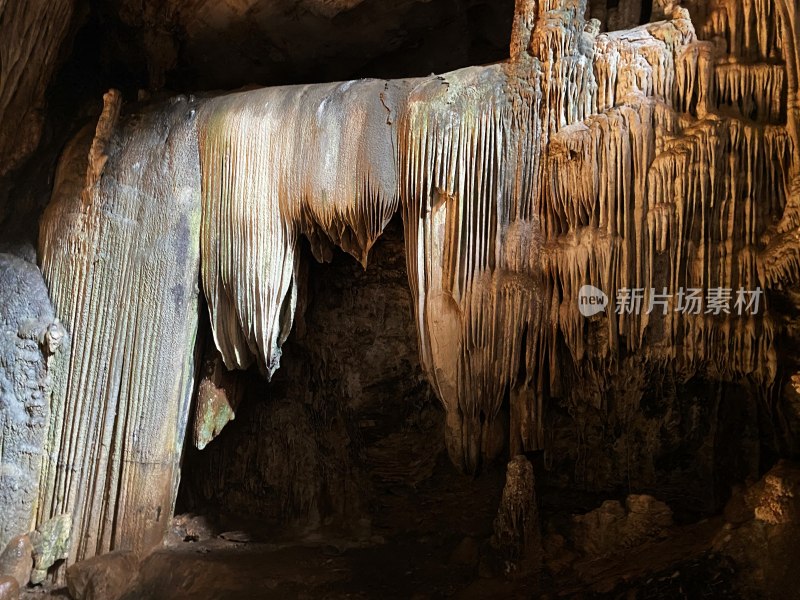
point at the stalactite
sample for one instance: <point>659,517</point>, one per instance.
<point>468,154</point>
<point>662,168</point>
<point>318,159</point>
<point>749,29</point>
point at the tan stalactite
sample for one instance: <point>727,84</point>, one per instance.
<point>320,160</point>
<point>468,154</point>
<point>660,163</point>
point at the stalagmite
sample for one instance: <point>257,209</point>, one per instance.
<point>517,537</point>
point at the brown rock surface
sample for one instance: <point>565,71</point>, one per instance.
<point>9,589</point>
<point>17,559</point>
<point>31,33</point>
<point>612,528</point>
<point>765,547</point>
<point>104,577</point>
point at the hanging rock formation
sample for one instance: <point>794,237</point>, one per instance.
<point>639,162</point>
<point>317,159</point>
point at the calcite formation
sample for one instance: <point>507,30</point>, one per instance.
<point>318,159</point>
<point>652,164</point>
<point>120,253</point>
<point>516,528</point>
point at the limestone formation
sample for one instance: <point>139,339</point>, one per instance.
<point>761,536</point>
<point>218,397</point>
<point>30,335</point>
<point>655,163</point>
<point>51,544</point>
<point>120,254</point>
<point>517,537</point>
<point>278,162</point>
<point>614,528</point>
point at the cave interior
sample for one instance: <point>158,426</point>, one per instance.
<point>269,335</point>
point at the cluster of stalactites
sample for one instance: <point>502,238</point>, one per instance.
<point>746,29</point>
<point>505,224</point>
<point>675,182</point>
<point>467,154</point>
<point>277,162</point>
<point>589,158</point>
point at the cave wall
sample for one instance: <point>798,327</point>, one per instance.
<point>31,34</point>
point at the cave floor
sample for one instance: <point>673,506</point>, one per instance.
<point>423,567</point>
<point>430,542</point>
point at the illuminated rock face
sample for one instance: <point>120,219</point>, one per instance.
<point>320,160</point>
<point>638,161</point>
<point>632,161</point>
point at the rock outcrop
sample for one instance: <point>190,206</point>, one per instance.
<point>614,528</point>
<point>30,339</point>
<point>761,537</point>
